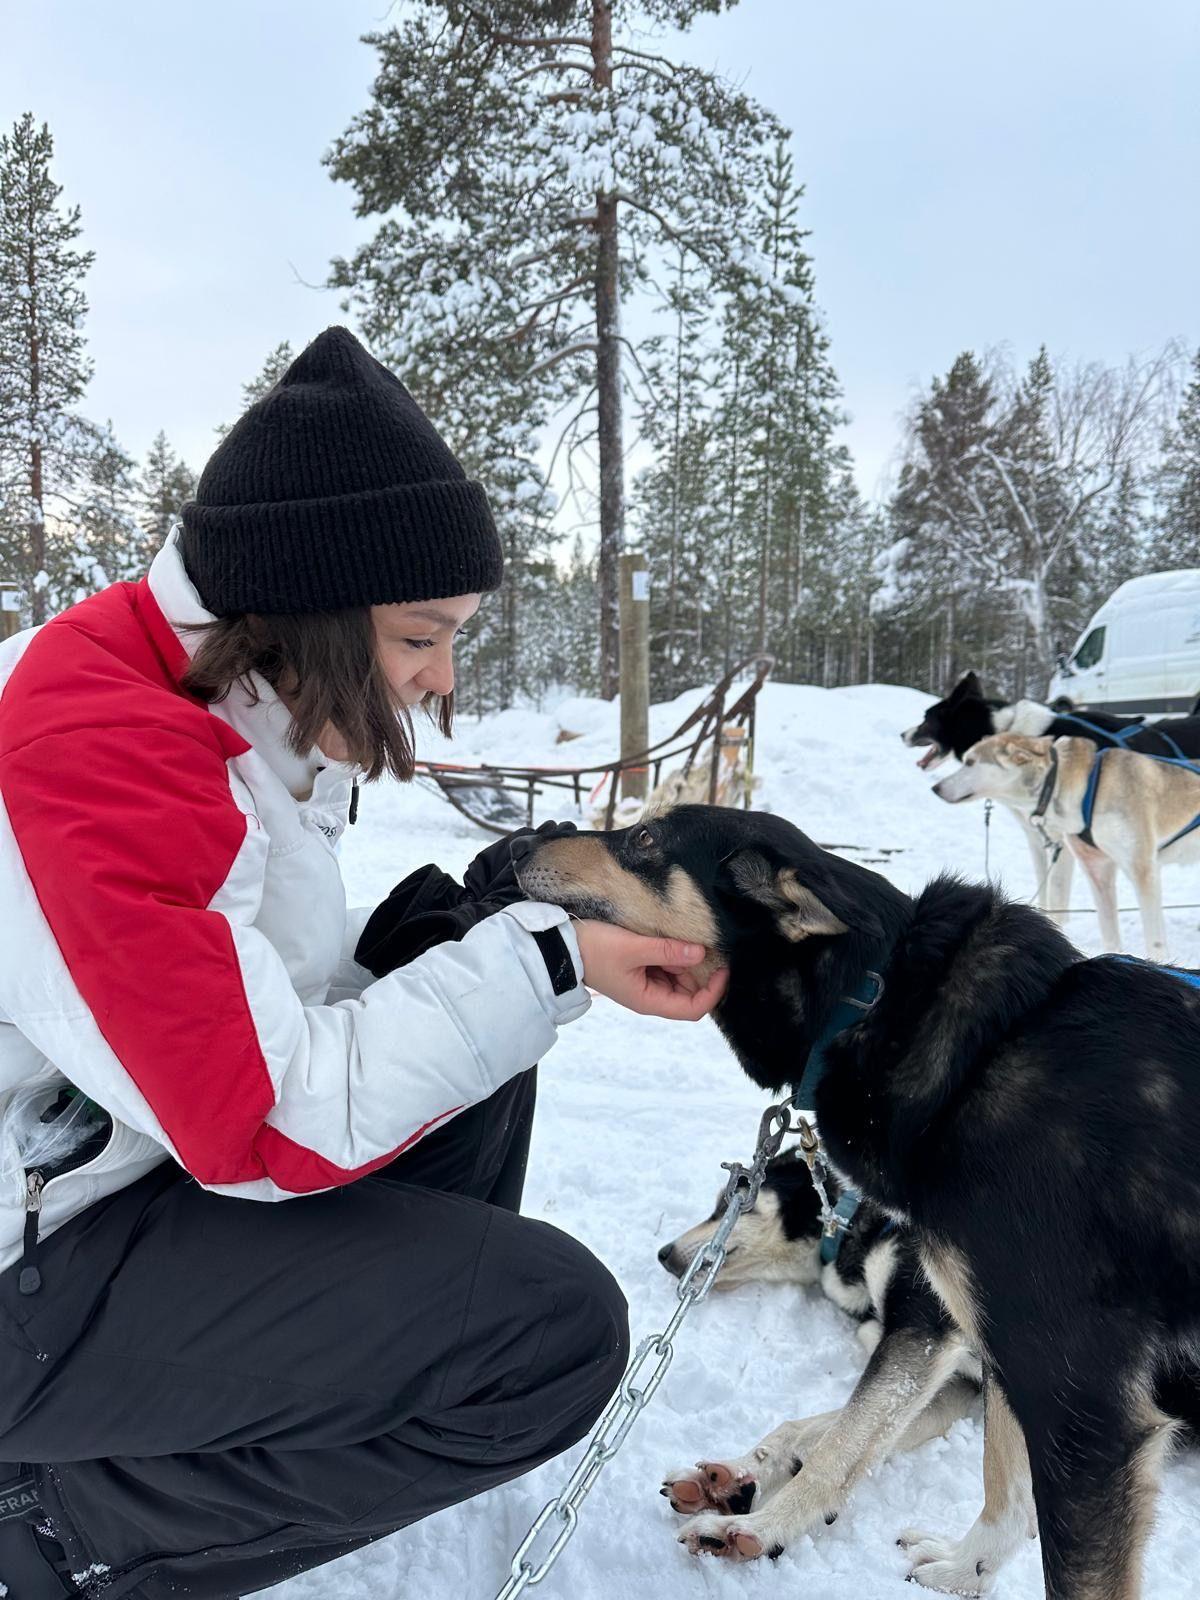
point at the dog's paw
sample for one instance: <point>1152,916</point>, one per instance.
<point>951,1565</point>
<point>711,1486</point>
<point>736,1540</point>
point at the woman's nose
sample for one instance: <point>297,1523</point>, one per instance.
<point>438,676</point>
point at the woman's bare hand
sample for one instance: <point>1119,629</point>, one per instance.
<point>655,977</point>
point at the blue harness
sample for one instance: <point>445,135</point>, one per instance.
<point>1120,738</point>
<point>1192,979</point>
<point>845,1014</point>
<point>1093,783</point>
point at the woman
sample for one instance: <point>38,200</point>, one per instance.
<point>201,1394</point>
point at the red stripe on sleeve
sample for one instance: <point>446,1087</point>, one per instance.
<point>118,794</point>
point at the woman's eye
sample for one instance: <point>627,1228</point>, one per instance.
<point>420,644</point>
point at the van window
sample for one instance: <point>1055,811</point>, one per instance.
<point>1091,649</point>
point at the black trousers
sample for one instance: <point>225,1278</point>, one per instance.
<point>217,1394</point>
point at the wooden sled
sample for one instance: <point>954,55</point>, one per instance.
<point>717,763</point>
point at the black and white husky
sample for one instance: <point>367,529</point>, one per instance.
<point>1030,1117</point>
<point>957,723</point>
<point>922,1375</point>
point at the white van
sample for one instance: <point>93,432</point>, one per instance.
<point>1141,651</point>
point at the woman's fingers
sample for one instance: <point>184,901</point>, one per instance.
<point>654,976</point>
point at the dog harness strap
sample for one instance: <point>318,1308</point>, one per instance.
<point>1194,823</point>
<point>1171,745</point>
<point>843,1217</point>
<point>1182,974</point>
<point>1093,783</point>
<point>849,1010</point>
<point>1110,736</point>
<point>1051,779</point>
<point>1089,797</point>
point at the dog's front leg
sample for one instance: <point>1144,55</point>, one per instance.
<point>1101,871</point>
<point>902,1377</point>
<point>1147,885</point>
<point>737,1482</point>
<point>968,1566</point>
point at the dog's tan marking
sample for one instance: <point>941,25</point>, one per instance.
<point>1160,1435</point>
<point>947,1270</point>
<point>577,870</point>
<point>799,914</point>
<point>969,1565</point>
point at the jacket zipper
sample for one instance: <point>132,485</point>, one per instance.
<point>36,1179</point>
<point>30,1280</point>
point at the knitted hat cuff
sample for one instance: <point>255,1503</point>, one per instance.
<point>419,541</point>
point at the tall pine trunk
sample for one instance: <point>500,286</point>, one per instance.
<point>608,386</point>
<point>37,489</point>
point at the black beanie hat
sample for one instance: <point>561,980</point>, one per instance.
<point>335,490</point>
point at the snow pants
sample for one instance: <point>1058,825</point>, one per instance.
<point>216,1394</point>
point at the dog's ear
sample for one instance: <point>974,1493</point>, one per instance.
<point>968,688</point>
<point>798,912</point>
<point>1013,753</point>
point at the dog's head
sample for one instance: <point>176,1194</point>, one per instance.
<point>1005,766</point>
<point>778,1240</point>
<point>793,923</point>
<point>953,725</point>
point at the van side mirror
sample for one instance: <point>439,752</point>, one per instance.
<point>1063,665</point>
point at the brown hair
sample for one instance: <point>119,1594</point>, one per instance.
<point>325,662</point>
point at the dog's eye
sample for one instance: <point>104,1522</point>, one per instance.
<point>643,838</point>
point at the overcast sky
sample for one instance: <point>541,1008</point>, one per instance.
<point>977,174</point>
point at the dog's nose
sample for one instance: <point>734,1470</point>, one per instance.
<point>665,1252</point>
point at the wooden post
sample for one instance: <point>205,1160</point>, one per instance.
<point>635,669</point>
<point>10,610</point>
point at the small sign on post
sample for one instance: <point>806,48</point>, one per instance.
<point>635,671</point>
<point>10,610</point>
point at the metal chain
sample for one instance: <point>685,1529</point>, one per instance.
<point>632,1397</point>
<point>818,1170</point>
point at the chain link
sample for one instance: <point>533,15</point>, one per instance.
<point>632,1396</point>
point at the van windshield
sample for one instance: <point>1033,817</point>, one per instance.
<point>1091,649</point>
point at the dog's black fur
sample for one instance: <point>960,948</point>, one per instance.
<point>967,715</point>
<point>1031,1113</point>
<point>907,1303</point>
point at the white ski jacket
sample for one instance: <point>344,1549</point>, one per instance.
<point>174,939</point>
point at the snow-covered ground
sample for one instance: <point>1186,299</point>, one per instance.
<point>635,1118</point>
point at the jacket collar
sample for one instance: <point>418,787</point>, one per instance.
<point>173,613</point>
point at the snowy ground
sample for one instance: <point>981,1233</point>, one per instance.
<point>635,1117</point>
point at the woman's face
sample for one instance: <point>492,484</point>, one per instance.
<point>415,647</point>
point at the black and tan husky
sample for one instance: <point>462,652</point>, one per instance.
<point>1031,1117</point>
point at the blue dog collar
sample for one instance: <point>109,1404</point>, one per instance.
<point>849,1010</point>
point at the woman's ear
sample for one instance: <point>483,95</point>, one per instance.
<point>797,911</point>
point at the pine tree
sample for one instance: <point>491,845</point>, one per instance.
<point>273,368</point>
<point>1177,539</point>
<point>165,483</point>
<point>106,546</point>
<point>530,159</point>
<point>45,448</point>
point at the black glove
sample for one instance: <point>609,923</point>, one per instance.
<point>492,875</point>
<point>428,907</point>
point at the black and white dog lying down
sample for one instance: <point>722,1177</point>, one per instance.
<point>1031,1117</point>
<point>915,1347</point>
<point>958,723</point>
